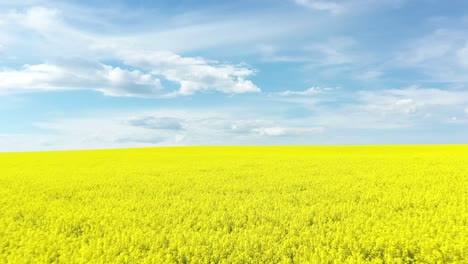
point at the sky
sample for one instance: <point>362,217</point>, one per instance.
<point>117,74</point>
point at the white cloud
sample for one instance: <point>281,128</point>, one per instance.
<point>79,74</point>
<point>373,110</point>
<point>409,106</point>
<point>369,75</point>
<point>160,127</point>
<point>153,122</point>
<point>457,120</point>
<point>355,117</point>
<point>242,126</point>
<point>320,5</point>
<point>270,53</point>
<point>60,33</point>
<point>463,56</point>
<point>434,46</point>
<point>103,131</point>
<point>191,74</point>
<point>342,6</point>
<point>394,109</point>
<point>270,128</point>
<point>307,92</point>
<point>283,131</point>
<point>4,39</point>
<point>432,96</point>
<point>441,55</point>
<point>334,51</point>
<point>179,139</point>
<point>466,110</point>
<point>39,19</point>
<point>405,105</point>
<point>271,131</point>
<point>194,74</point>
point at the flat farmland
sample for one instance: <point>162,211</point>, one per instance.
<point>350,204</point>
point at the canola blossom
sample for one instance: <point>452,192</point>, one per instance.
<point>367,204</point>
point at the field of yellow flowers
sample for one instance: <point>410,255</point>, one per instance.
<point>376,204</point>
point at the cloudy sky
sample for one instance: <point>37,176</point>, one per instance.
<point>105,74</point>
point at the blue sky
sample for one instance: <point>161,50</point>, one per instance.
<point>105,74</point>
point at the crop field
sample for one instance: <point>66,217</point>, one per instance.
<point>376,204</point>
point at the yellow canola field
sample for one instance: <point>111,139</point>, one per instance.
<point>376,204</point>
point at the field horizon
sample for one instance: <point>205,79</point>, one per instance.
<point>242,146</point>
